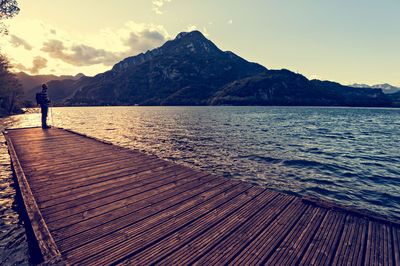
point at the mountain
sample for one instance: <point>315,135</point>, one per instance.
<point>57,92</point>
<point>188,70</point>
<point>28,81</point>
<point>283,87</point>
<point>32,84</point>
<point>395,99</point>
<point>386,88</point>
<point>191,70</point>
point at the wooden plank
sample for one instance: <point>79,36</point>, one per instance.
<point>140,234</point>
<point>294,245</point>
<point>224,251</point>
<point>65,160</point>
<point>44,239</point>
<point>137,208</point>
<point>351,245</point>
<point>210,218</point>
<point>93,184</point>
<point>119,178</point>
<point>321,249</point>
<point>62,165</point>
<point>47,141</point>
<point>387,243</point>
<point>70,146</point>
<point>38,133</point>
<point>49,149</point>
<point>55,178</point>
<point>265,243</point>
<point>104,204</point>
<point>142,198</point>
<point>163,209</point>
<point>36,157</point>
<point>350,210</point>
<point>51,145</point>
<point>48,135</point>
<point>396,244</point>
<point>24,138</point>
<point>177,248</point>
<point>67,151</point>
<point>370,249</point>
<point>57,173</point>
<point>379,244</point>
<point>116,189</point>
<point>89,177</point>
<point>92,175</point>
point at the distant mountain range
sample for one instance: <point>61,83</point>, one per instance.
<point>386,88</point>
<point>283,87</point>
<point>61,86</point>
<point>191,70</point>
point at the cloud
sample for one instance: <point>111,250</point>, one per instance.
<point>129,41</point>
<point>191,28</point>
<point>143,41</point>
<point>17,42</point>
<point>153,35</point>
<point>78,55</point>
<point>38,63</point>
<point>70,53</point>
<point>204,30</point>
<point>158,4</point>
<point>136,41</point>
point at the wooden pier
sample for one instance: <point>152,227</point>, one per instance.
<point>90,202</point>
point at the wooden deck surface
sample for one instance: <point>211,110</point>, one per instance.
<point>95,203</point>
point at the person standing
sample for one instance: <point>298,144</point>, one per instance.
<point>44,106</point>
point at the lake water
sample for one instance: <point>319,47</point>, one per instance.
<point>345,155</point>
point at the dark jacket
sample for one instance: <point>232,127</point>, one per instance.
<point>44,101</point>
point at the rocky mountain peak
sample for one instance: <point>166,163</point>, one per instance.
<point>192,34</point>
<point>192,42</point>
<point>79,75</point>
<point>185,43</point>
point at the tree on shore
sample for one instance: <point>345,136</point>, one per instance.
<point>8,9</point>
<point>10,89</point>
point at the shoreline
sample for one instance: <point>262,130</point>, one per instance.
<point>15,240</point>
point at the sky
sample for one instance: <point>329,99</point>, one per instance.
<point>346,41</point>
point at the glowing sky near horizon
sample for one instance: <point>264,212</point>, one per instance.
<point>353,41</point>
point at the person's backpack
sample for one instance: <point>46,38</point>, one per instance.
<point>39,98</point>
